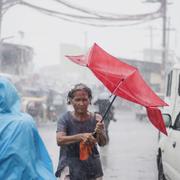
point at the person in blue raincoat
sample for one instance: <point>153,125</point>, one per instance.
<point>23,155</point>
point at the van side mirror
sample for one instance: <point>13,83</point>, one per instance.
<point>167,120</point>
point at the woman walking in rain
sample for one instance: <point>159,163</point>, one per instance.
<point>74,129</point>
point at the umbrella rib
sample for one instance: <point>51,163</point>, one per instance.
<point>119,83</point>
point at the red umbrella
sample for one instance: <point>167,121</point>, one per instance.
<point>123,80</point>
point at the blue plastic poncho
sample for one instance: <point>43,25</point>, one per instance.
<point>23,155</point>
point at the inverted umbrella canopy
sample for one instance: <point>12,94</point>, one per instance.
<point>123,80</point>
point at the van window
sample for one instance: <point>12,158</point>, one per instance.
<point>169,83</point>
<point>167,120</point>
<point>177,123</point>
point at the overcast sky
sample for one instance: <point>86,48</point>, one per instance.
<point>45,33</point>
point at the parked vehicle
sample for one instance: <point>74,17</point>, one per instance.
<point>168,155</point>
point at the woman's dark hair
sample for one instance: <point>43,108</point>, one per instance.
<point>77,87</point>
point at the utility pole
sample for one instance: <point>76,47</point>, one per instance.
<point>164,45</point>
<point>151,44</point>
<point>164,41</point>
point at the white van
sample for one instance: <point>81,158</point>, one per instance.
<point>168,156</point>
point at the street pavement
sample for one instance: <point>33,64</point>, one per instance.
<point>130,154</point>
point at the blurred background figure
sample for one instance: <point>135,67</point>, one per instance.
<point>56,104</point>
<point>51,113</point>
<point>35,109</point>
<point>102,104</point>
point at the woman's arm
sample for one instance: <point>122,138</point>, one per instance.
<point>100,131</point>
<point>63,139</point>
<point>101,137</point>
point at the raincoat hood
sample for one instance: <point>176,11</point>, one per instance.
<point>9,98</point>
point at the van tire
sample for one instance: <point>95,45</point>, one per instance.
<point>160,170</point>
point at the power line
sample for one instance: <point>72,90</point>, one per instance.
<point>106,15</point>
<point>98,19</point>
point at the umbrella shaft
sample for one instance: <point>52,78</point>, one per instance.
<point>108,108</point>
<point>105,114</point>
